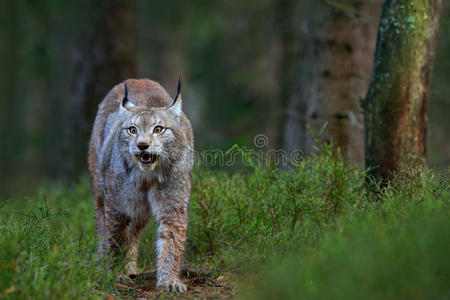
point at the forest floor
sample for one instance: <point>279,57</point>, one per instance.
<point>201,284</point>
<point>315,231</point>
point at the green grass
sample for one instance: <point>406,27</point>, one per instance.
<point>386,255</point>
<point>312,233</point>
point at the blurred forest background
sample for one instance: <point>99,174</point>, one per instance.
<point>248,67</point>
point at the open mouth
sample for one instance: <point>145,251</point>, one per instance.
<point>147,158</point>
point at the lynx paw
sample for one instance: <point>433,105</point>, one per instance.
<point>123,278</point>
<point>174,285</point>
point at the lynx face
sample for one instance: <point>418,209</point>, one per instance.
<point>149,136</point>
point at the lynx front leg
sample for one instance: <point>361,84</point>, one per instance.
<point>171,236</point>
<point>131,258</point>
<point>134,231</point>
<point>117,238</point>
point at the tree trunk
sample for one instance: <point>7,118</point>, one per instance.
<point>338,42</point>
<point>396,103</point>
<point>11,129</point>
<point>105,56</point>
<point>287,23</point>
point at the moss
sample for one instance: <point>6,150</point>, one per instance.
<point>399,84</point>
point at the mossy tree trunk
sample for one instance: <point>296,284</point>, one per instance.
<point>105,56</point>
<point>396,103</point>
<point>333,73</point>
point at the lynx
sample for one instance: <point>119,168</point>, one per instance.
<point>140,160</point>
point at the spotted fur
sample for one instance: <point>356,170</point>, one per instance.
<point>128,191</point>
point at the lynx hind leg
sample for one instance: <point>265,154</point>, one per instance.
<point>171,236</point>
<point>100,226</point>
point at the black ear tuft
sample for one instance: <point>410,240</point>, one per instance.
<point>178,92</point>
<point>179,87</point>
<point>125,97</point>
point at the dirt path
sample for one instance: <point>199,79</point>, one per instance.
<point>201,284</point>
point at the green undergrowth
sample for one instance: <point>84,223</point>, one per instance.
<point>311,232</point>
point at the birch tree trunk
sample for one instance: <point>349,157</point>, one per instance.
<point>105,56</point>
<point>396,103</point>
<point>337,45</point>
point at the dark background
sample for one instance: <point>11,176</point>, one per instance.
<point>234,58</point>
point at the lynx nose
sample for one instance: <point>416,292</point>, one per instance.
<point>142,146</point>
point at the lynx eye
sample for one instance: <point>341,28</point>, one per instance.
<point>132,130</point>
<point>158,129</point>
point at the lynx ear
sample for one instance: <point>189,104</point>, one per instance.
<point>126,104</point>
<point>176,105</point>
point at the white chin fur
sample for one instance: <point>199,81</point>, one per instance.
<point>147,168</point>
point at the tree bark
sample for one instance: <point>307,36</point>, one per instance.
<point>337,43</point>
<point>105,56</point>
<point>396,103</point>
